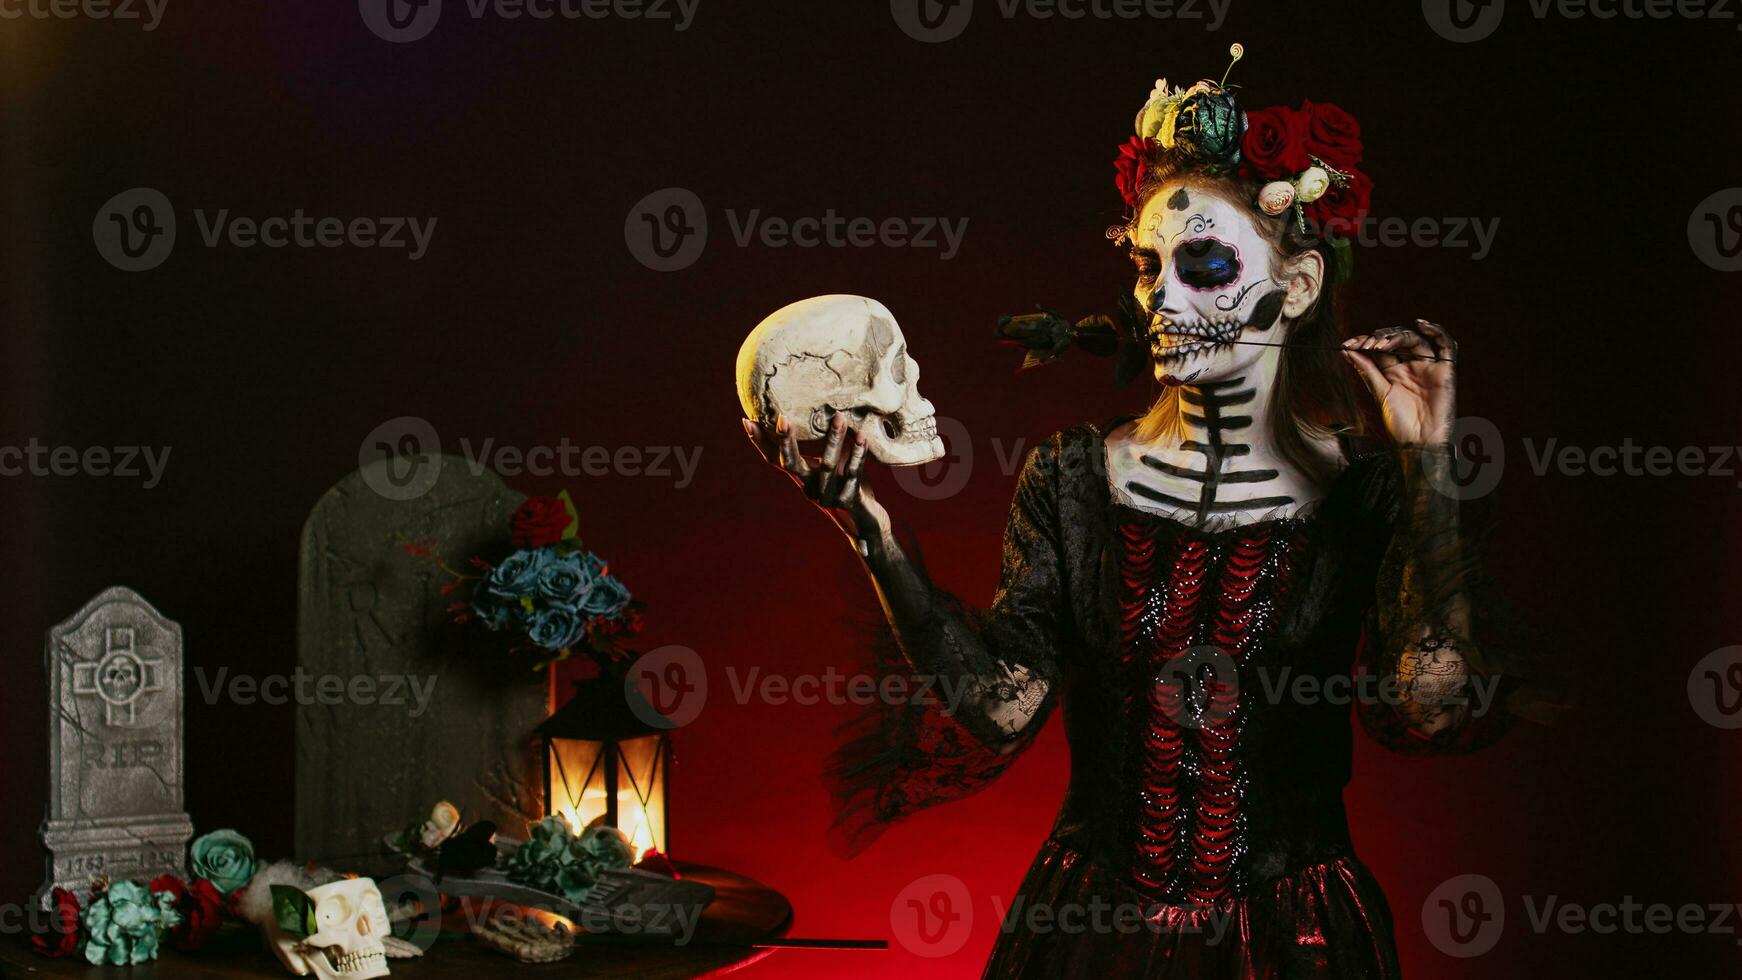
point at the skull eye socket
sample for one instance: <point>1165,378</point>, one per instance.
<point>1206,263</point>
<point>332,910</point>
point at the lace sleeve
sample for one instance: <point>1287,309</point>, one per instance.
<point>984,678</point>
<point>1437,691</point>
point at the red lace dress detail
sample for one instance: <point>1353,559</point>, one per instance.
<point>1194,612</point>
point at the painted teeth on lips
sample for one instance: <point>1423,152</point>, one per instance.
<point>1180,351</point>
<point>1219,331</point>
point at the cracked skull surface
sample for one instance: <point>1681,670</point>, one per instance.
<point>348,942</point>
<point>839,354</point>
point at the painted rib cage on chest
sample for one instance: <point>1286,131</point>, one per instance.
<point>1216,408</point>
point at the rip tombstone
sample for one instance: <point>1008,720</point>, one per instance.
<point>115,745</point>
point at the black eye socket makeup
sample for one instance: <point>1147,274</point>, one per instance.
<point>1206,263</point>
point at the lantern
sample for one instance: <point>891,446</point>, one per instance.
<point>604,761</point>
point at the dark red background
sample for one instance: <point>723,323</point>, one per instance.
<point>529,321</point>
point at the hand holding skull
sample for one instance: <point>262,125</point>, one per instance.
<point>832,481</point>
<point>836,367</point>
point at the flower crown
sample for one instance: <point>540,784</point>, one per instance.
<point>1308,156</point>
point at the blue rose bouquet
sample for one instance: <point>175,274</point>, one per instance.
<point>553,590</point>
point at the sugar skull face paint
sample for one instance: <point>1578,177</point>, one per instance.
<point>1207,276</point>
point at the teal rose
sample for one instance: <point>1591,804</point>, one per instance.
<point>556,861</point>
<point>607,597</point>
<point>124,924</point>
<point>224,858</point>
<point>556,627</point>
<point>498,603</point>
<point>566,580</point>
<point>518,574</point>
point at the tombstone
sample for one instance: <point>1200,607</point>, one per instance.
<point>115,745</point>
<point>368,609</point>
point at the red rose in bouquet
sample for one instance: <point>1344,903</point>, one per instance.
<point>1340,212</point>
<point>1133,161</point>
<point>540,521</point>
<point>62,937</point>
<point>1275,144</point>
<point>201,906</point>
<point>1331,134</point>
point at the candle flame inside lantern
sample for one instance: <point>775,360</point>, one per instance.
<point>581,775</point>
<point>633,817</point>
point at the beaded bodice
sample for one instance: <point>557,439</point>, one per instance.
<point>1194,610</point>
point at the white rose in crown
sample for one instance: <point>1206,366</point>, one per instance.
<point>1312,185</point>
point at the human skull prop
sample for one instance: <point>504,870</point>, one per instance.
<point>351,925</point>
<point>839,354</point>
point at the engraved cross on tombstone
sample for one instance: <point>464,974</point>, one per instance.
<point>115,745</point>
<point>119,679</point>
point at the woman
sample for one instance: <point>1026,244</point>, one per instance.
<point>1170,579</point>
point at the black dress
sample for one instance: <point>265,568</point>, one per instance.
<point>1203,833</point>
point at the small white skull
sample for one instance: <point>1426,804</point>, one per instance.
<point>443,820</point>
<point>834,354</point>
<point>350,926</point>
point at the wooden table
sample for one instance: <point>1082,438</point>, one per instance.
<point>744,911</point>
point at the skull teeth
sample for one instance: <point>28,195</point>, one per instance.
<point>354,962</point>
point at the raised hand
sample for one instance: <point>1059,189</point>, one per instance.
<point>1417,395</point>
